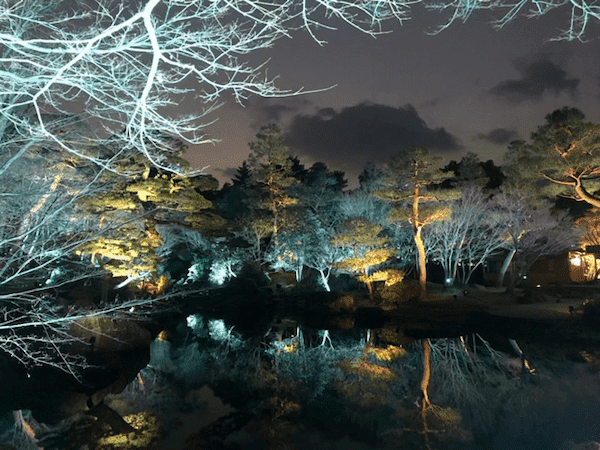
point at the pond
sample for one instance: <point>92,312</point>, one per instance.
<point>277,375</point>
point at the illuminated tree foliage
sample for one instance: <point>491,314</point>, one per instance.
<point>129,209</point>
<point>41,227</point>
<point>369,250</point>
<point>256,229</point>
<point>294,247</point>
<point>408,175</point>
<point>590,224</point>
<point>324,256</point>
<point>564,152</point>
<point>267,198</point>
<point>305,241</point>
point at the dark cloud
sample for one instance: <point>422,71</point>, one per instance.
<point>537,78</point>
<point>499,136</point>
<point>366,132</point>
<point>266,110</point>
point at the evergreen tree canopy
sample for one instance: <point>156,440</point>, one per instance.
<point>370,249</point>
<point>562,158</point>
<point>130,205</point>
<point>408,176</point>
<point>272,174</point>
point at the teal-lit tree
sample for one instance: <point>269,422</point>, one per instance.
<point>325,256</point>
<point>306,240</point>
<point>533,229</point>
<point>471,235</point>
<point>308,244</point>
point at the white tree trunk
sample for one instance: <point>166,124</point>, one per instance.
<point>505,266</point>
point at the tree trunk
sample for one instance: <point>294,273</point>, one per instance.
<point>454,271</point>
<point>418,227</point>
<point>325,279</point>
<point>369,345</point>
<point>426,404</point>
<point>505,265</point>
<point>298,271</point>
<point>422,263</point>
<point>368,282</point>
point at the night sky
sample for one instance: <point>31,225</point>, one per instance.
<point>471,88</point>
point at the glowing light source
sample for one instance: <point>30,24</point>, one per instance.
<point>576,260</point>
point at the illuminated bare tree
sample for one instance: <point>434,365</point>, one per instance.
<point>468,238</point>
<point>128,65</point>
<point>532,230</point>
<point>582,14</point>
<point>38,223</point>
<point>36,333</point>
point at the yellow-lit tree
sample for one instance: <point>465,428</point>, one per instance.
<point>408,174</point>
<point>369,250</point>
<point>134,202</point>
<point>590,222</point>
<point>565,151</point>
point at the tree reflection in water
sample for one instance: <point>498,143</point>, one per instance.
<point>448,388</point>
<point>301,385</point>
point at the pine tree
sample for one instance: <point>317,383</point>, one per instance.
<point>133,202</point>
<point>368,247</point>
<point>272,176</point>
<point>564,152</point>
<point>408,176</point>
